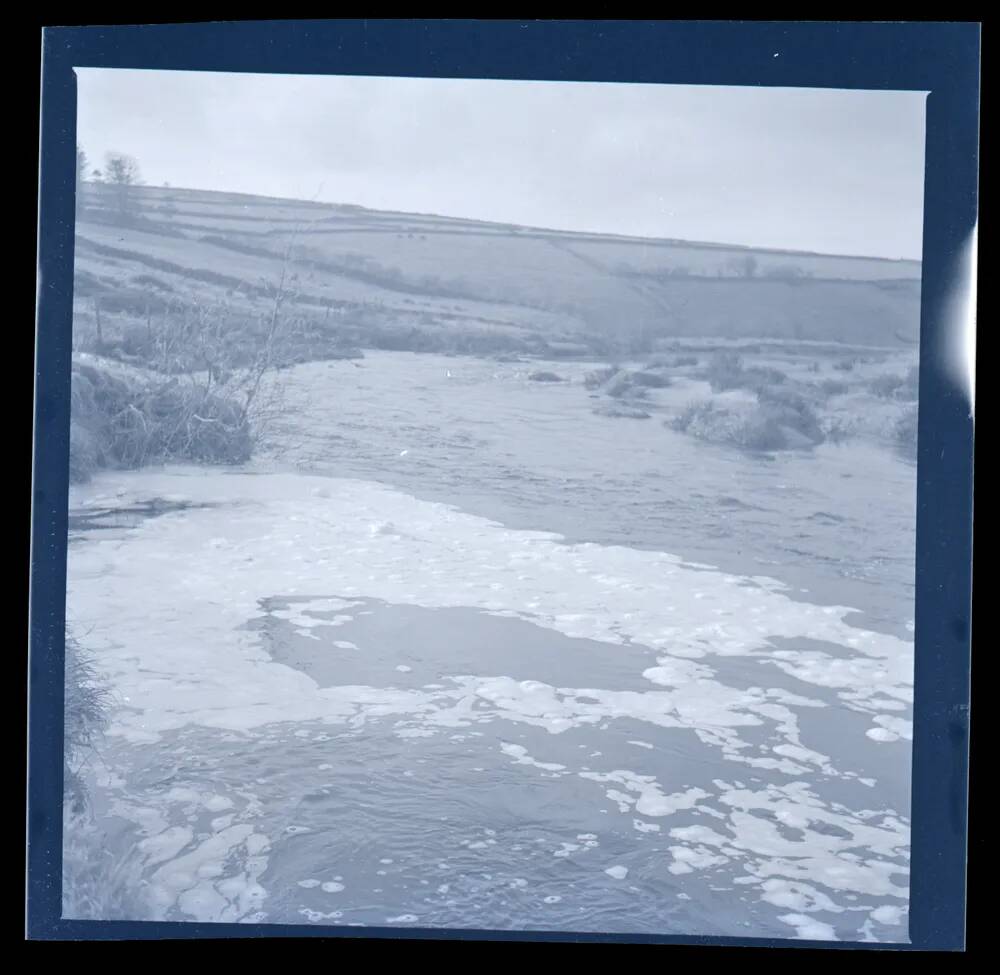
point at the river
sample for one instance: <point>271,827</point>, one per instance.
<point>456,651</point>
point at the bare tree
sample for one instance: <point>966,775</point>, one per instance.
<point>81,173</point>
<point>121,173</point>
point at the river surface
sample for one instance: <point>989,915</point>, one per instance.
<point>456,651</point>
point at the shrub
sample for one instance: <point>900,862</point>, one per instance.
<point>128,422</point>
<point>762,377</point>
<point>844,365</point>
<point>620,384</point>
<point>838,430</point>
<point>890,386</point>
<point>761,431</point>
<point>909,390</point>
<point>544,377</point>
<point>754,431</point>
<point>885,385</point>
<point>725,371</point>
<point>905,432</point>
<point>689,416</point>
<point>833,387</point>
<point>598,377</point>
<point>787,408</point>
<point>784,421</point>
<point>84,455</point>
<point>685,360</point>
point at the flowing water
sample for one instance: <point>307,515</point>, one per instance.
<point>463,653</point>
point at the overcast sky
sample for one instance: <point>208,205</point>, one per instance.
<point>810,169</point>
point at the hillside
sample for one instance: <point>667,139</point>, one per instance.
<point>358,277</point>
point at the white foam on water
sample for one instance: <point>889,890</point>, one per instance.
<point>809,928</point>
<point>163,592</point>
<point>787,867</point>
<point>166,844</point>
<point>151,600</point>
<point>651,800</point>
<point>687,859</point>
<point>196,883</point>
<point>317,916</point>
<point>521,757</point>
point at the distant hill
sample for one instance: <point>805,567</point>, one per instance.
<point>377,278</point>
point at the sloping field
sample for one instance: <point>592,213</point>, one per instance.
<point>367,272</point>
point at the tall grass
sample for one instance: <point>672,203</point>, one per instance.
<point>101,875</point>
<point>85,719</point>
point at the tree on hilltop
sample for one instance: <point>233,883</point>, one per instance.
<point>81,175</point>
<point>121,174</point>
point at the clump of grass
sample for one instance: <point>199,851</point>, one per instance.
<point>127,420</point>
<point>781,420</point>
<point>85,719</point>
<point>753,431</point>
<point>544,377</point>
<point>845,365</point>
<point>102,875</point>
<point>685,360</point>
<point>101,878</point>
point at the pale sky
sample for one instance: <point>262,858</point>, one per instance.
<point>832,171</point>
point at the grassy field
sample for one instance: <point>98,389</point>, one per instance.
<point>356,277</point>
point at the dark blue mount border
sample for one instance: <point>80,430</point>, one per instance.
<point>941,58</point>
